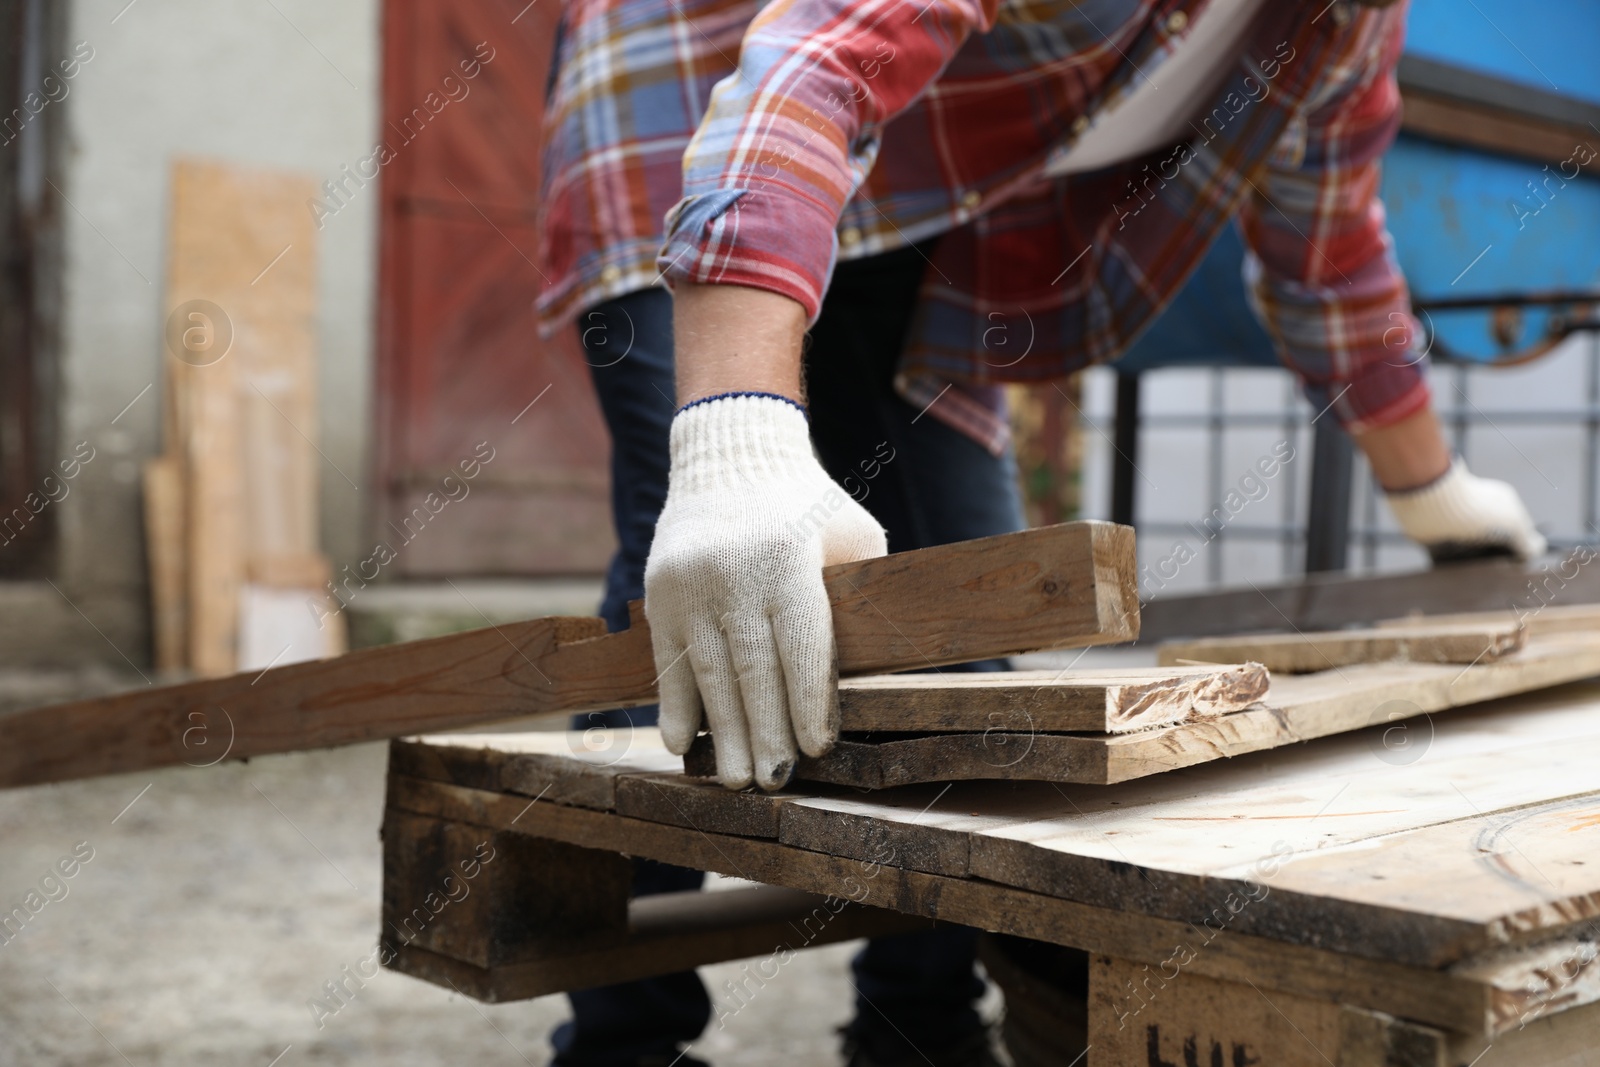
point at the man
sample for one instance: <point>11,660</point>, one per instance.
<point>617,133</point>
<point>754,470</point>
<point>1287,136</point>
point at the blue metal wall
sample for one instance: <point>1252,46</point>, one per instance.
<point>1451,210</point>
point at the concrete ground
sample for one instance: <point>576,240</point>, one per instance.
<point>208,907</point>
<point>218,901</point>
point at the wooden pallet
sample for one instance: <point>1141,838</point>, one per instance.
<point>1325,903</point>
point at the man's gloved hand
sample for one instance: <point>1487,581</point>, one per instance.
<point>1461,516</point>
<point>733,588</point>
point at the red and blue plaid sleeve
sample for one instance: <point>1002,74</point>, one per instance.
<point>789,137</point>
<point>1321,265</point>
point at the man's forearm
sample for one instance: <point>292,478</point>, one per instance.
<point>732,339</point>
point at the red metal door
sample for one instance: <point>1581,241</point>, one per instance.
<point>491,454</point>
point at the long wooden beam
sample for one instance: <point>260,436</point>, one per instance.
<point>1057,587</point>
<point>1332,601</point>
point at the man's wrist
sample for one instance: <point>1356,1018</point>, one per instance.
<point>734,339</point>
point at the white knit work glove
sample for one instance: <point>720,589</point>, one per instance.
<point>1462,516</point>
<point>733,588</point>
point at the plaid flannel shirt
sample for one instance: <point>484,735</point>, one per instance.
<point>796,162</point>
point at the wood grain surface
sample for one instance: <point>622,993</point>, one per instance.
<point>1054,587</point>
<point>1305,653</point>
<point>1451,875</point>
<point>1101,700</point>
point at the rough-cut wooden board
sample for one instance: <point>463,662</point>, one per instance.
<point>1302,653</point>
<point>1297,708</point>
<point>1109,700</point>
<point>1327,602</point>
<point>1056,587</point>
<point>1457,1002</point>
<point>241,239</point>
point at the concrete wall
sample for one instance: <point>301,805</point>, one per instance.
<point>282,83</point>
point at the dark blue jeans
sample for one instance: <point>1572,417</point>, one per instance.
<point>925,482</point>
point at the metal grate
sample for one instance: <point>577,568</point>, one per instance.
<point>1480,429</point>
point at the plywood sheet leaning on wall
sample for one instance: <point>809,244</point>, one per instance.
<point>241,421</point>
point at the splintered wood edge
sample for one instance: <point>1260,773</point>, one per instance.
<point>1203,694</point>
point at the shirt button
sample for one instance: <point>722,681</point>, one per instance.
<point>1177,22</point>
<point>611,275</point>
<point>972,199</point>
<point>1341,14</point>
<point>850,237</point>
<point>1080,125</point>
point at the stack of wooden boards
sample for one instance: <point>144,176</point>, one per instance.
<point>231,504</point>
<point>1100,727</point>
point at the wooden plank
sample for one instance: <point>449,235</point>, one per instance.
<point>919,839</point>
<point>1331,601</point>
<point>227,314</point>
<point>581,767</point>
<point>1461,123</point>
<point>1054,587</point>
<point>163,538</point>
<point>1432,996</point>
<point>668,933</point>
<point>1303,653</point>
<point>1112,700</point>
<point>1538,620</point>
<point>1297,708</point>
<point>700,805</point>
<point>1070,588</point>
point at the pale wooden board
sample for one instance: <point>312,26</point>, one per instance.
<point>1304,653</point>
<point>164,540</point>
<point>1103,700</point>
<point>1053,587</point>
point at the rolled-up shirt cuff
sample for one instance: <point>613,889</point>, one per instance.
<point>761,239</point>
